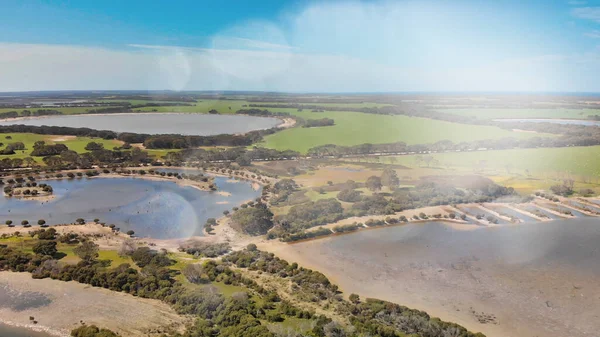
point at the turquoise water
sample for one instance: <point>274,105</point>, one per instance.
<point>157,209</point>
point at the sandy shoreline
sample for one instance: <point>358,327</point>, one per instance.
<point>60,306</point>
<point>463,283</point>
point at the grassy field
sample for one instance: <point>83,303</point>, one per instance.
<point>353,128</point>
<point>482,113</point>
<point>526,170</point>
<point>584,161</point>
<point>73,143</point>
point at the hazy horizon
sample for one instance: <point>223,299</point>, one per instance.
<point>287,46</point>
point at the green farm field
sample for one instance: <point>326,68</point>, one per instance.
<point>484,113</point>
<point>73,143</point>
<point>353,128</point>
<point>584,161</point>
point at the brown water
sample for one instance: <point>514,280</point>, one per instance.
<point>538,279</point>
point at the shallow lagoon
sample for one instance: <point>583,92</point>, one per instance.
<point>157,123</point>
<point>157,209</point>
<point>537,279</point>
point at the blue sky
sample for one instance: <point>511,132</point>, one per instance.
<point>301,46</point>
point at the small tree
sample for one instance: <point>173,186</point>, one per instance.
<point>24,223</point>
<point>373,183</point>
<point>354,298</point>
<point>8,222</point>
<point>127,248</point>
<point>130,232</point>
<point>45,247</point>
<point>87,251</point>
<point>41,222</point>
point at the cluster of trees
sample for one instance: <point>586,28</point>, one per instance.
<point>216,315</point>
<point>380,318</point>
<point>27,113</point>
<point>255,220</point>
<point>311,123</point>
<point>205,249</point>
<point>282,190</point>
<point>565,189</point>
<point>311,214</point>
<point>572,135</point>
<point>12,147</point>
<point>259,112</point>
<point>240,155</point>
<point>302,235</point>
<point>429,192</point>
<point>68,159</point>
<point>313,285</point>
<point>41,149</point>
<point>92,331</point>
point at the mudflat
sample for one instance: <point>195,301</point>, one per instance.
<point>59,306</point>
<point>537,279</point>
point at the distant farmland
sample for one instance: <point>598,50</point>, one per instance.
<point>353,128</point>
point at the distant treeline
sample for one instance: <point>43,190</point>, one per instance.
<point>27,113</point>
<point>241,155</point>
<point>587,136</point>
<point>173,141</point>
<point>311,123</point>
<point>259,112</point>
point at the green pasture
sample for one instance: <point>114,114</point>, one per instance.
<point>353,128</point>
<point>493,113</point>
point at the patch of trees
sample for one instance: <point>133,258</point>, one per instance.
<point>565,189</point>
<point>311,123</point>
<point>58,130</point>
<point>312,284</point>
<point>41,149</point>
<point>349,195</point>
<point>92,331</point>
<point>311,214</point>
<point>236,315</point>
<point>255,220</point>
<point>381,318</point>
<point>27,113</point>
<point>303,235</point>
<point>263,112</point>
<point>347,228</point>
<point>206,249</point>
<point>282,190</point>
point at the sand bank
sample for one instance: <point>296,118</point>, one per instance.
<point>59,306</point>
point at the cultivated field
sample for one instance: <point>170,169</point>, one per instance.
<point>28,139</point>
<point>493,113</point>
<point>353,128</point>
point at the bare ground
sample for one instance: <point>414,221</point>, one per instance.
<point>71,303</point>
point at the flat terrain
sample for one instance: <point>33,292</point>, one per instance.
<point>493,113</point>
<point>583,161</point>
<point>73,143</point>
<point>59,307</point>
<point>513,281</point>
<point>353,128</point>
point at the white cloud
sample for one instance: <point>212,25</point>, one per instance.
<point>42,67</point>
<point>588,13</point>
<point>325,47</point>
